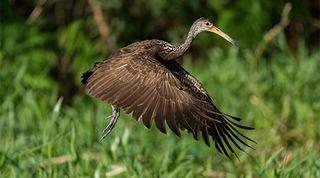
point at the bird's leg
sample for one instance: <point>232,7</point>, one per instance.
<point>108,117</point>
<point>114,118</point>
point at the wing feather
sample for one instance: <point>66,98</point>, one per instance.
<point>171,118</point>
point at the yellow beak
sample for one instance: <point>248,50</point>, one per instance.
<point>217,31</point>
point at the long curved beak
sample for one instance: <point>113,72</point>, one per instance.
<point>217,31</point>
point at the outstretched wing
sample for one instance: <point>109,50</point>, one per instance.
<point>141,85</point>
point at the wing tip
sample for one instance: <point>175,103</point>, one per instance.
<point>226,135</point>
<point>85,76</point>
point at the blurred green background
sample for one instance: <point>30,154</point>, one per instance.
<point>50,127</point>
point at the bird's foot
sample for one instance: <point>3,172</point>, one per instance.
<point>114,118</point>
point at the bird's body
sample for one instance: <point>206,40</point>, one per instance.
<point>144,79</point>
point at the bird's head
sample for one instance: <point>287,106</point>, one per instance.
<point>203,24</point>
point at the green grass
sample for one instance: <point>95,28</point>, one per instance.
<point>279,96</point>
<point>42,138</point>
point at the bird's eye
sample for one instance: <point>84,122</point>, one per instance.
<point>207,23</point>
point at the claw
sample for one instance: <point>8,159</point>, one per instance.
<point>114,118</point>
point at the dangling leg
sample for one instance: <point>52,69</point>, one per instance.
<point>114,118</point>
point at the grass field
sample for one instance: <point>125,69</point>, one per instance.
<point>279,96</point>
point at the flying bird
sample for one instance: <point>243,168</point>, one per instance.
<point>145,79</point>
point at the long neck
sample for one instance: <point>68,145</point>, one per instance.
<point>170,52</point>
<point>186,44</point>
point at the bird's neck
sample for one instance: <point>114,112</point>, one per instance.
<point>186,44</point>
<point>173,52</point>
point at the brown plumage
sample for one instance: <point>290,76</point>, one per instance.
<point>144,79</point>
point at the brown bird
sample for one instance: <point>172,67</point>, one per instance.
<point>144,79</point>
